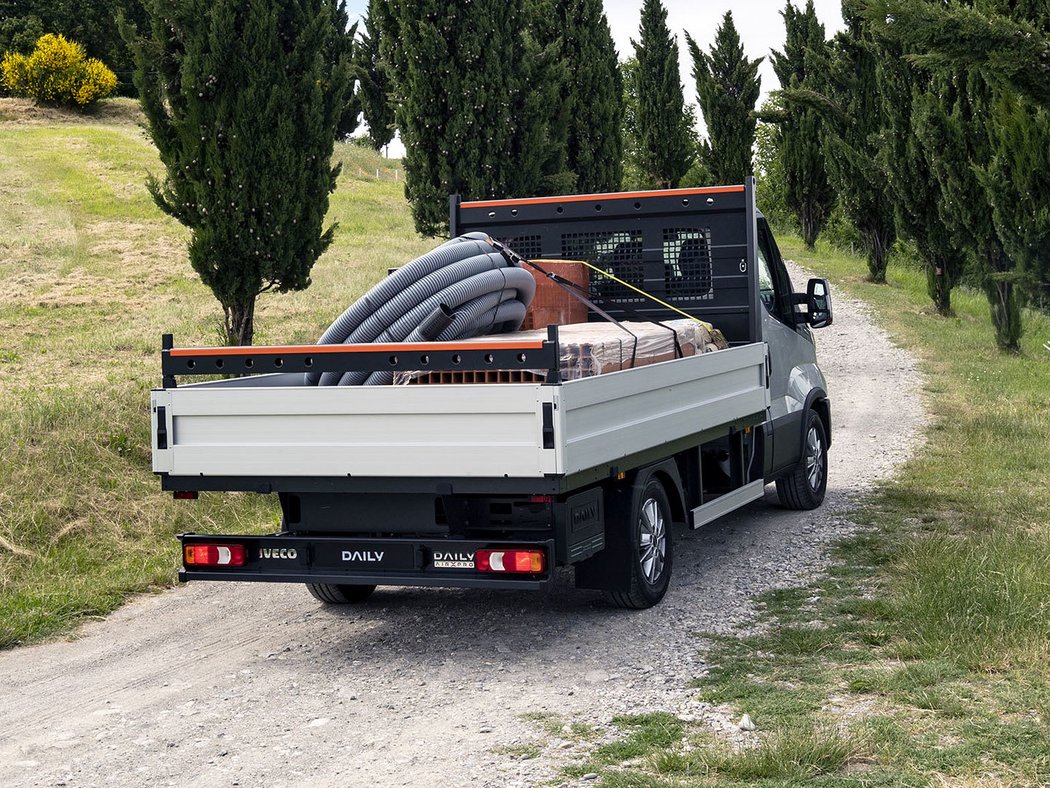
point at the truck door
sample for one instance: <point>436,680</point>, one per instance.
<point>791,352</point>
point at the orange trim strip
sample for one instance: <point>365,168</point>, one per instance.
<point>374,347</point>
<point>607,196</point>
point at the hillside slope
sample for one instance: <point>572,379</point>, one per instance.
<point>91,274</point>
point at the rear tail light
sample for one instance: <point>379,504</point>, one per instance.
<point>510,561</point>
<point>185,495</point>
<point>213,555</point>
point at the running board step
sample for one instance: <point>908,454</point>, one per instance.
<point>724,504</point>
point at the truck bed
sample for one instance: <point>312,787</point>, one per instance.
<point>239,428</point>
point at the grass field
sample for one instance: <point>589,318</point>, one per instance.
<point>91,274</point>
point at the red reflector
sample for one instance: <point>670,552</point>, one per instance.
<point>213,555</point>
<point>510,561</point>
<point>541,498</point>
<point>185,495</point>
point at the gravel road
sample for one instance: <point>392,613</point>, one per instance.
<point>253,685</point>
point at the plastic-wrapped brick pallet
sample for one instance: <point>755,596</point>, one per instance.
<point>589,349</point>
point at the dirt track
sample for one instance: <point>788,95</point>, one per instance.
<point>216,684</point>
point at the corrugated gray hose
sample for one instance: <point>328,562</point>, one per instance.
<point>462,289</point>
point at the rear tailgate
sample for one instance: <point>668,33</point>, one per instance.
<point>462,430</point>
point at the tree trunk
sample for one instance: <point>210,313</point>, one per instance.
<point>1001,289</point>
<point>939,286</point>
<point>240,322</point>
<point>1006,314</point>
<point>810,227</point>
<point>878,248</point>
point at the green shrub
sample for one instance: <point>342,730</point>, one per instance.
<point>58,71</point>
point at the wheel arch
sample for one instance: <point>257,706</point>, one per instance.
<point>666,472</point>
<point>817,400</point>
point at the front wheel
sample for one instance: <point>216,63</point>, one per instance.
<point>339,595</point>
<point>804,487</point>
<point>651,553</point>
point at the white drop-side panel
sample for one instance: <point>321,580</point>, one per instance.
<point>463,430</point>
<point>611,416</point>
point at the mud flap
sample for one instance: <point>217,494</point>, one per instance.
<point>610,570</point>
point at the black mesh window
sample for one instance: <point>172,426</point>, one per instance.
<point>528,246</point>
<point>619,253</point>
<point>687,263</point>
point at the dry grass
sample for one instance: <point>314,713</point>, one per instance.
<point>26,112</point>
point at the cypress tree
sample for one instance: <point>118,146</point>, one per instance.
<point>478,102</point>
<point>453,69</point>
<point>803,65</point>
<point>1018,182</point>
<point>908,97</point>
<point>771,187</point>
<point>541,108</point>
<point>994,145</point>
<point>727,87</point>
<point>860,182</point>
<point>374,83</point>
<point>663,134</point>
<point>1008,42</point>
<point>633,175</point>
<point>344,47</point>
<point>595,143</point>
<point>853,119</point>
<point>544,105</point>
<point>242,102</point>
<point>1017,176</point>
<point>955,126</point>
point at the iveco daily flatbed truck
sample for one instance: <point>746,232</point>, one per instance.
<point>495,485</point>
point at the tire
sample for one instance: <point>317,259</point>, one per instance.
<point>650,561</point>
<point>339,595</point>
<point>804,487</point>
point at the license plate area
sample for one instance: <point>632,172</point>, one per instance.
<point>367,556</point>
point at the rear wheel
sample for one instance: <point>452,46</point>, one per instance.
<point>651,554</point>
<point>804,487</point>
<point>339,595</point>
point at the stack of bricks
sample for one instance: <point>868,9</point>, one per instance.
<point>480,376</point>
<point>589,349</point>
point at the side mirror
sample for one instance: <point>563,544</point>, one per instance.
<point>818,303</point>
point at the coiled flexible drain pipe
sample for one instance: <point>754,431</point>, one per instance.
<point>461,289</point>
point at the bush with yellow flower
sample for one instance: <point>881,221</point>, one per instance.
<point>57,71</point>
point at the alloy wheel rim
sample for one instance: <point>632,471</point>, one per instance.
<point>814,459</point>
<point>652,543</point>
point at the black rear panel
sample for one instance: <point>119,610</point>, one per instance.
<point>693,248</point>
<point>288,558</point>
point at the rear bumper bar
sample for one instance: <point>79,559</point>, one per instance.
<point>288,558</point>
